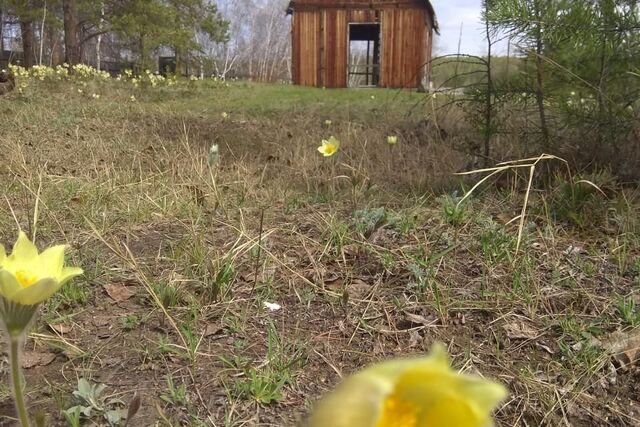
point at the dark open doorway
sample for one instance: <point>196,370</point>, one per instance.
<point>364,55</point>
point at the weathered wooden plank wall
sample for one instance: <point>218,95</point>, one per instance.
<point>404,47</point>
<point>320,37</point>
<point>306,48</point>
<point>335,49</point>
<point>356,4</point>
<point>362,16</point>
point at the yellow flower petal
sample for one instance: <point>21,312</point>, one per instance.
<point>27,278</point>
<point>23,250</point>
<point>452,412</point>
<point>438,356</point>
<point>436,392</point>
<point>486,394</point>
<point>8,284</point>
<point>353,404</point>
<point>51,261</point>
<point>69,273</point>
<point>36,293</point>
<point>422,392</point>
<point>329,146</point>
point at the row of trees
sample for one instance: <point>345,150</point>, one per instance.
<point>573,87</point>
<point>246,38</point>
<point>259,44</point>
<point>73,31</point>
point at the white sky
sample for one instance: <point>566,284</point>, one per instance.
<point>451,13</point>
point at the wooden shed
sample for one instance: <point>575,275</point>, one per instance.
<point>350,43</point>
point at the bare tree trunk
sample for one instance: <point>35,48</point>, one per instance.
<point>605,117</point>
<point>1,32</point>
<point>44,18</point>
<point>99,39</point>
<point>26,30</point>
<point>540,84</point>
<point>7,83</point>
<point>229,62</point>
<point>540,98</point>
<point>488,129</point>
<point>143,54</point>
<point>54,46</point>
<point>263,63</point>
<point>177,53</point>
<point>71,48</point>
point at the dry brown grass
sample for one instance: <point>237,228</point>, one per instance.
<point>365,255</point>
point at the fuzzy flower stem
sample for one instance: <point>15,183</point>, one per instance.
<point>15,342</point>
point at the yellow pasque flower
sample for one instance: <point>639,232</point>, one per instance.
<point>329,146</point>
<point>422,392</point>
<point>28,277</point>
<point>392,140</point>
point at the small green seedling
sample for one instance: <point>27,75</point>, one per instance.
<point>91,399</point>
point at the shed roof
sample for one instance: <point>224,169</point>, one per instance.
<point>359,4</point>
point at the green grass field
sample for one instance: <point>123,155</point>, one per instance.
<point>368,253</point>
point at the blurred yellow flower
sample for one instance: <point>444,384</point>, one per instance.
<point>225,115</point>
<point>392,140</point>
<point>328,122</point>
<point>28,277</point>
<point>422,392</point>
<point>329,146</point>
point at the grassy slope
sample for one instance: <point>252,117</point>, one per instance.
<point>362,252</point>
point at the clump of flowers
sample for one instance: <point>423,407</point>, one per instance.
<point>392,139</point>
<point>62,72</point>
<point>18,71</point>
<point>87,72</point>
<point>329,146</point>
<point>145,79</point>
<point>421,392</point>
<point>150,79</point>
<point>41,72</point>
<point>27,278</point>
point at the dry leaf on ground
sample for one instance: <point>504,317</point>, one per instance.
<point>32,359</point>
<point>61,328</point>
<point>418,319</point>
<point>625,347</point>
<point>118,293</point>
<point>520,331</point>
